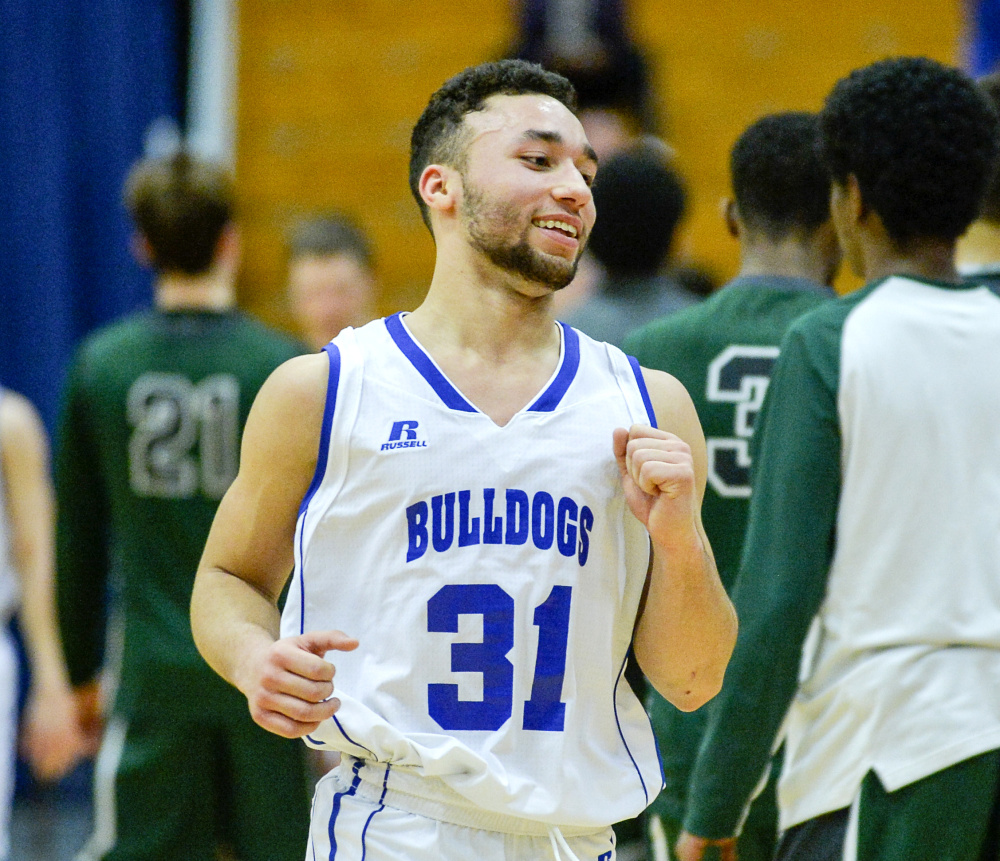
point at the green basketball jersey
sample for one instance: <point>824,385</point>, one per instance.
<point>148,443</point>
<point>867,590</point>
<point>723,351</point>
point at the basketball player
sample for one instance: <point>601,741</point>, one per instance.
<point>869,586</point>
<point>52,739</point>
<point>468,494</point>
<point>149,438</point>
<point>722,351</point>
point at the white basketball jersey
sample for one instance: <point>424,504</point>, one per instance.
<point>491,574</point>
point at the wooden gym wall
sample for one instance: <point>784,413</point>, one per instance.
<point>328,91</point>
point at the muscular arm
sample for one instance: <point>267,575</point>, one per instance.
<point>249,555</point>
<point>687,626</point>
<point>52,739</point>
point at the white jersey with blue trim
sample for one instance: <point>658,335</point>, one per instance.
<point>491,574</point>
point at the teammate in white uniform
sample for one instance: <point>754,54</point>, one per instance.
<point>869,585</point>
<point>471,490</point>
<point>52,739</point>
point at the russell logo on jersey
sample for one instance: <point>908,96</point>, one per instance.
<point>403,435</point>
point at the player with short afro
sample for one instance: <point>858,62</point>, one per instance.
<point>867,587</point>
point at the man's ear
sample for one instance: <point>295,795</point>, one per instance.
<point>141,250</point>
<point>229,246</point>
<point>731,217</point>
<point>856,206</point>
<point>439,187</point>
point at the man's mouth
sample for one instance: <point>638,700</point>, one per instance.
<point>555,224</point>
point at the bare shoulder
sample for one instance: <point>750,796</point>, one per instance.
<point>673,406</point>
<point>301,381</point>
<point>287,413</point>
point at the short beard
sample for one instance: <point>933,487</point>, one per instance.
<point>486,224</point>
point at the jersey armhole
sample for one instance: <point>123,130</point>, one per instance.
<point>641,383</point>
<point>332,384</point>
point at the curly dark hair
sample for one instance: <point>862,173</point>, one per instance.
<point>180,203</point>
<point>779,183</point>
<point>640,199</point>
<point>437,137</point>
<point>921,140</point>
<point>989,85</point>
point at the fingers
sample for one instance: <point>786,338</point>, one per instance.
<point>656,460</point>
<point>620,441</point>
<point>291,717</point>
<point>293,691</point>
<point>321,642</point>
<point>90,715</point>
<point>52,757</point>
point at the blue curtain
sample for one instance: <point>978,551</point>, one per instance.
<point>80,81</point>
<point>983,37</point>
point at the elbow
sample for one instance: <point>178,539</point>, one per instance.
<point>691,693</point>
<point>689,681</point>
<point>694,696</point>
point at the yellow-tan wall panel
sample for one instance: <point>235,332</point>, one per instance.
<point>721,65</point>
<point>328,93</point>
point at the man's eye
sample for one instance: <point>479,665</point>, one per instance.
<point>536,160</point>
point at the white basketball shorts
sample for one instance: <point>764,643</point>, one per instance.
<point>353,818</point>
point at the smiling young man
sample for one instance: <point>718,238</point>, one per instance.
<point>471,492</point>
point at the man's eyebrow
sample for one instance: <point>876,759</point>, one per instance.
<point>556,138</point>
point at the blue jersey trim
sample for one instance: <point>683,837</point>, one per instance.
<point>550,398</point>
<point>379,809</point>
<point>621,735</point>
<point>641,383</point>
<point>332,384</point>
<point>334,812</point>
<point>452,398</point>
<point>343,732</point>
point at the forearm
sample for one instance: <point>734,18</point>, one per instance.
<point>687,628</point>
<point>30,511</point>
<point>38,620</point>
<point>231,622</point>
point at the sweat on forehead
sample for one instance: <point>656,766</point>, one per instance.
<point>542,120</point>
<point>504,110</point>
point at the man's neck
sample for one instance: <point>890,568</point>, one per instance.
<point>495,338</point>
<point>209,292</point>
<point>790,258</point>
<point>926,259</point>
<point>980,246</point>
<point>471,304</point>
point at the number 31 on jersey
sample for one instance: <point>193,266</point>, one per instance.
<point>545,710</point>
